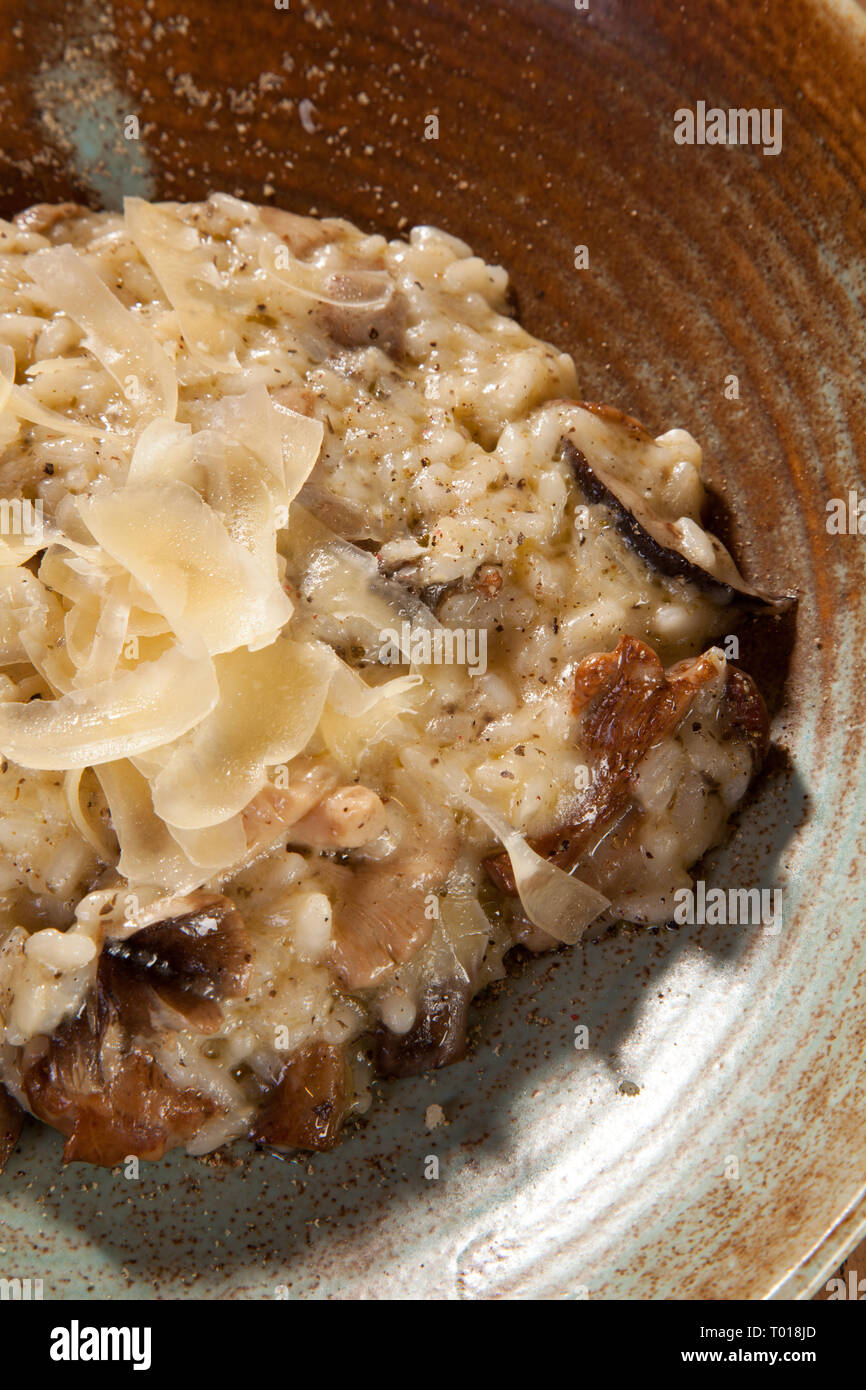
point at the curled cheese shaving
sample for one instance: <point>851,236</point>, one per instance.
<point>141,709</point>
<point>270,702</point>
<point>208,586</point>
<point>72,791</point>
<point>188,278</point>
<point>285,443</point>
<point>150,856</point>
<point>127,351</point>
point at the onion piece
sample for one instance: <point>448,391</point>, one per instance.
<point>557,902</point>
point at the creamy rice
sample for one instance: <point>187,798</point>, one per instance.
<point>303,710</point>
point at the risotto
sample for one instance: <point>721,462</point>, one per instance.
<point>343,650</point>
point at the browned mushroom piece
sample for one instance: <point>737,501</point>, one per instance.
<point>96,1078</point>
<point>306,1107</point>
<point>383,327</point>
<point>110,1099</point>
<point>662,542</point>
<point>381,916</point>
<point>629,704</point>
<point>174,972</point>
<point>437,1038</point>
<point>11,1121</point>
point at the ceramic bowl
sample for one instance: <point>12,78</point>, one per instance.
<point>710,1141</point>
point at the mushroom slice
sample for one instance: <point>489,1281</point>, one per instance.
<point>307,1106</point>
<point>383,327</point>
<point>381,915</point>
<point>630,706</point>
<point>174,972</point>
<point>677,547</point>
<point>112,1101</point>
<point>11,1120</point>
<point>438,1036</point>
<point>379,921</point>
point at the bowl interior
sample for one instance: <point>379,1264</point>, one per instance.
<point>707,1142</point>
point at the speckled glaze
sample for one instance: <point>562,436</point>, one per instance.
<point>710,1142</point>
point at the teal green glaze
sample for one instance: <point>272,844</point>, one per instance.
<point>111,166</point>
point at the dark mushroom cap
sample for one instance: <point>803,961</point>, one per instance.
<point>658,540</point>
<point>306,1107</point>
<point>187,963</point>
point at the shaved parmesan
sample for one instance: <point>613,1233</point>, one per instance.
<point>40,620</point>
<point>208,586</point>
<point>149,855</point>
<point>357,715</point>
<point>151,705</point>
<point>189,279</point>
<point>269,705</point>
<point>338,577</point>
<point>100,841</point>
<point>20,594</point>
<point>161,451</point>
<point>216,848</point>
<point>124,346</point>
<point>302,441</point>
<point>350,694</point>
<point>230,481</point>
<point>101,651</point>
<point>225,474</point>
<point>286,443</point>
